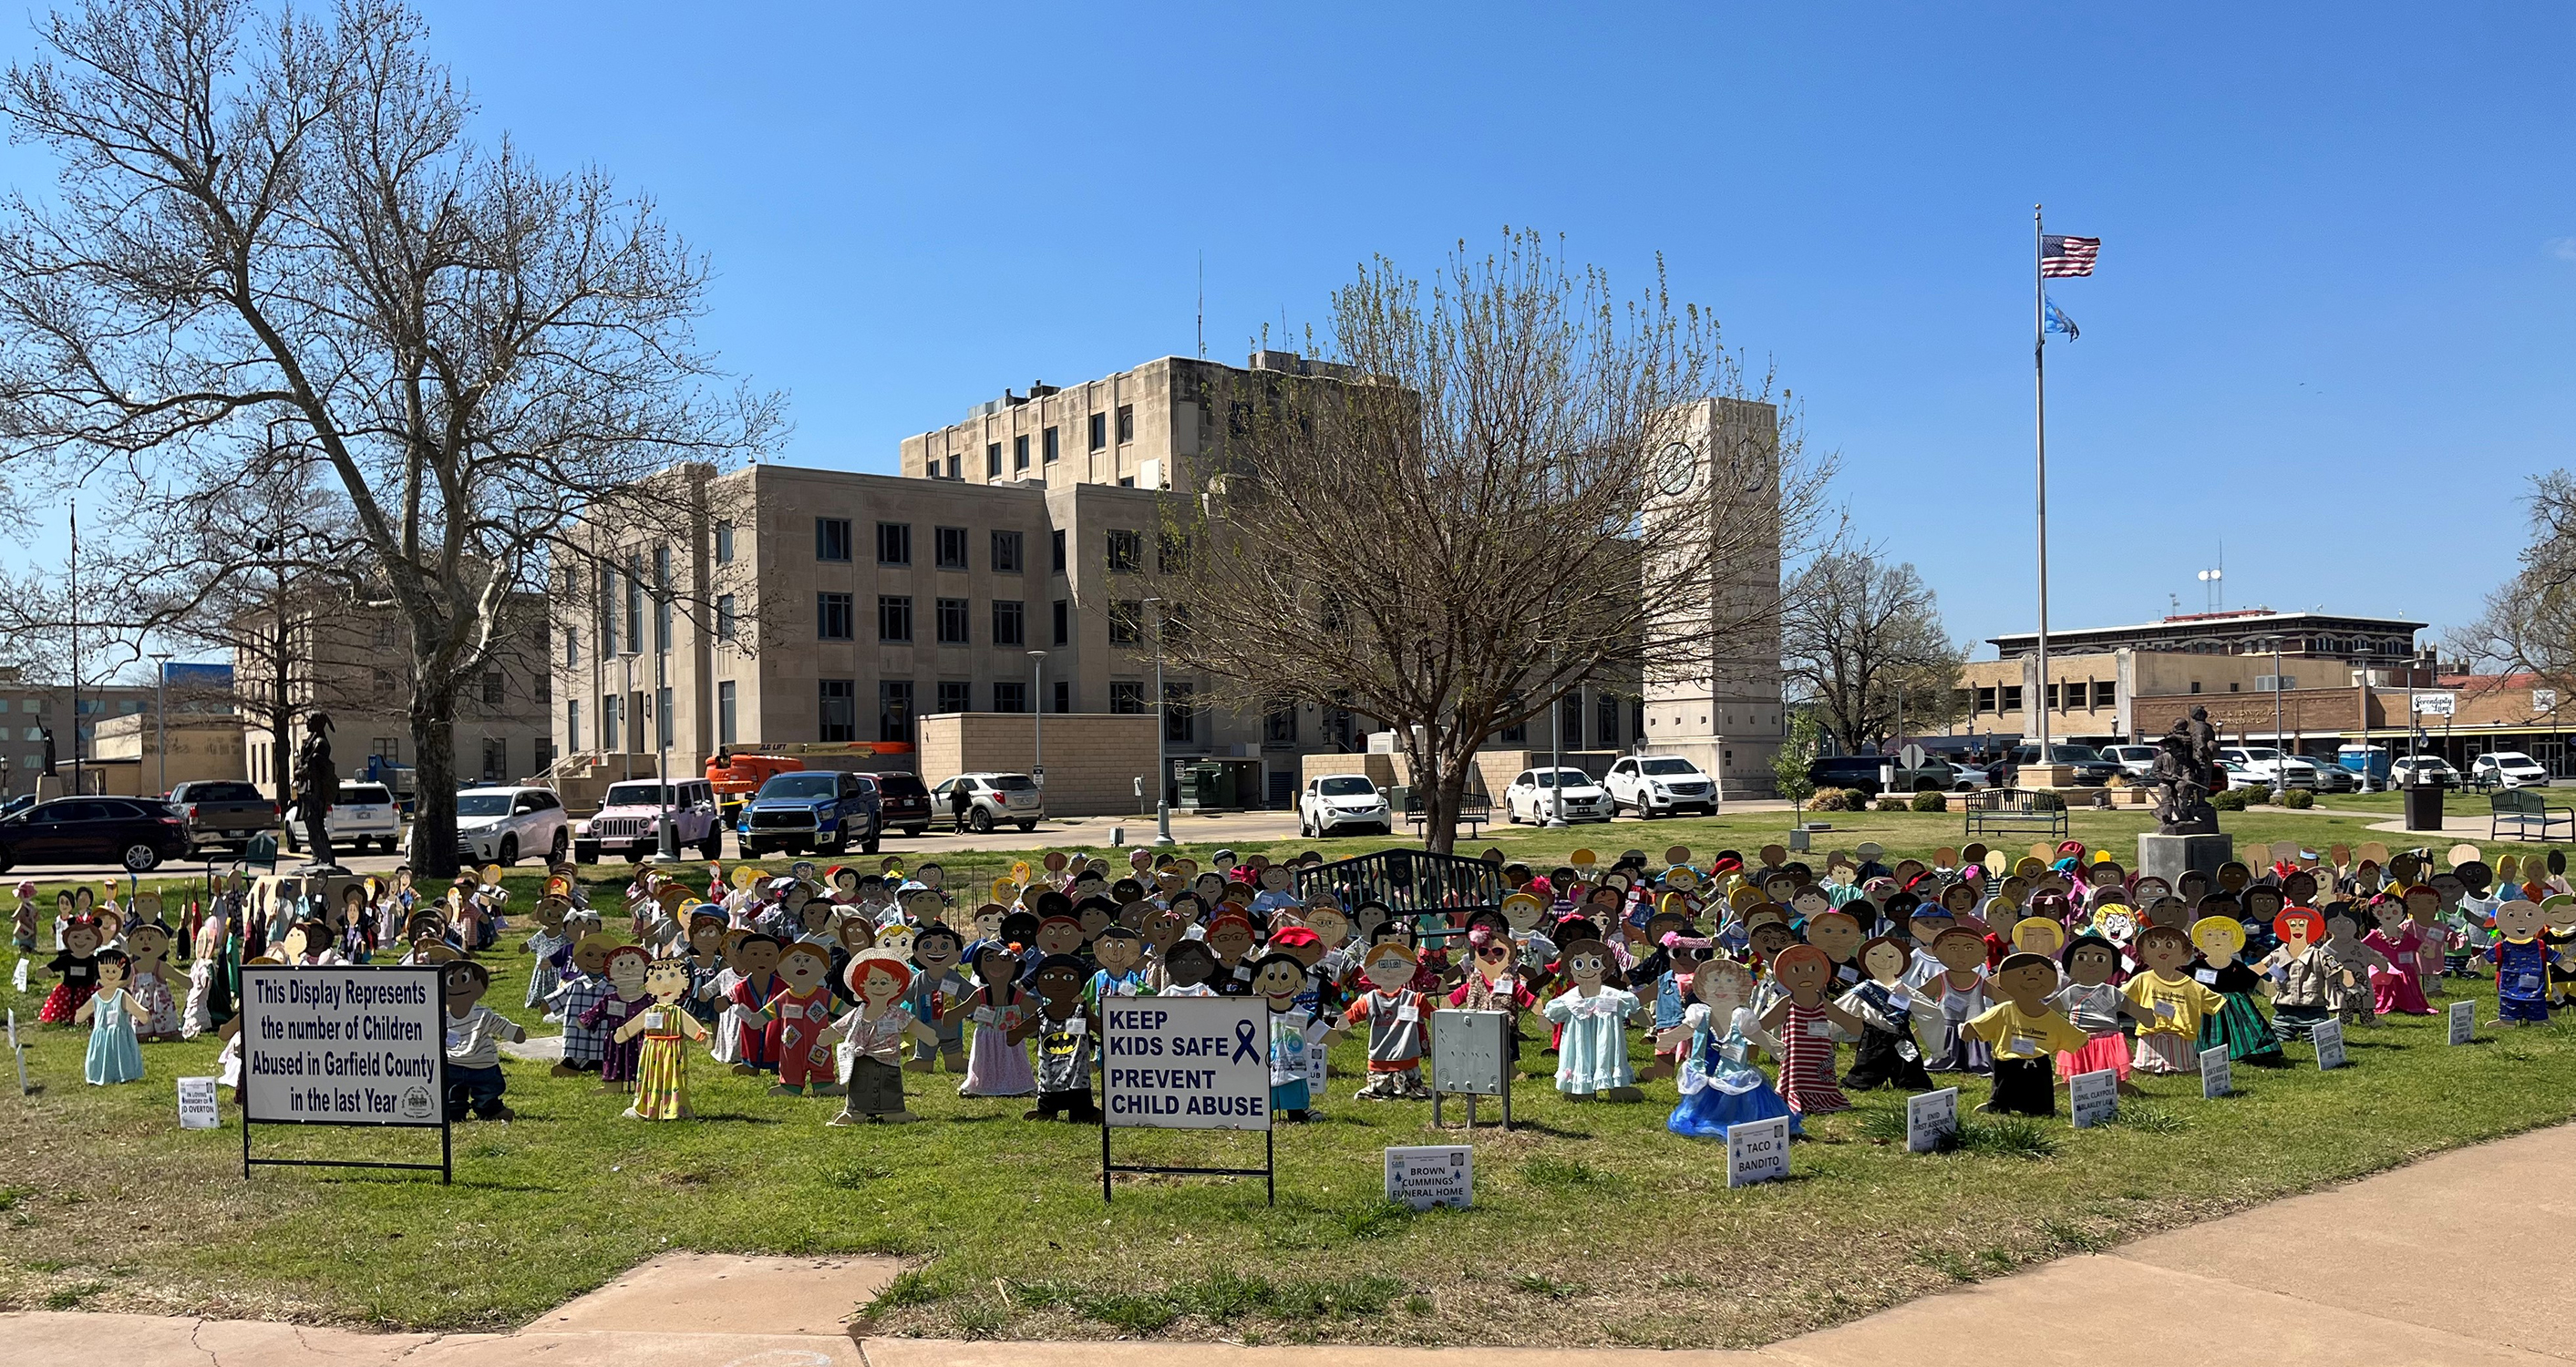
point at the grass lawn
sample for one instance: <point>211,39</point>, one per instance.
<point>1589,1219</point>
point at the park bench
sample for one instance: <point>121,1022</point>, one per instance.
<point>2525,815</point>
<point>1474,811</point>
<point>2014,809</point>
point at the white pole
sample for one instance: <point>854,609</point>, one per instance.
<point>161,717</point>
<point>1037,719</point>
<point>2039,381</point>
<point>1162,737</point>
<point>1556,762</point>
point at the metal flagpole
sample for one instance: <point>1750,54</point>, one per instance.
<point>2039,381</point>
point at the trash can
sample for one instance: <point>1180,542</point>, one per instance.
<point>2424,807</point>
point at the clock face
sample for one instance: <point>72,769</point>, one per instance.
<point>1679,468</point>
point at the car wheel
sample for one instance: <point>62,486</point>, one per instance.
<point>563,842</point>
<point>980,822</point>
<point>712,848</point>
<point>1026,825</point>
<point>140,858</point>
<point>509,856</point>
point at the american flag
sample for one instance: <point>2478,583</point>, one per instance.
<point>2067,255</point>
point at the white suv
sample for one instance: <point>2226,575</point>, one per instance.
<point>1660,785</point>
<point>2136,761</point>
<point>365,815</point>
<point>629,821</point>
<point>991,800</point>
<point>1336,802</point>
<point>1533,796</point>
<point>2507,769</point>
<point>500,825</point>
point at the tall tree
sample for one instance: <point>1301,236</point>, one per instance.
<point>1858,635</point>
<point>1480,509</point>
<point>2529,623</point>
<point>273,234</point>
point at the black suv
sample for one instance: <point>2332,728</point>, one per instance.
<point>2091,770</point>
<point>1859,773</point>
<point>907,803</point>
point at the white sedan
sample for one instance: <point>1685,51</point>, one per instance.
<point>1968,778</point>
<point>1533,796</point>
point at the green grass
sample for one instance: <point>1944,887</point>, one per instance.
<point>1584,1215</point>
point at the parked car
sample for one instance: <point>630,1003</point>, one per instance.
<point>1659,785</point>
<point>906,804</point>
<point>2259,760</point>
<point>629,821</point>
<point>1336,803</point>
<point>2406,771</point>
<point>224,812</point>
<point>1969,778</point>
<point>2507,769</point>
<point>364,815</point>
<point>825,810</point>
<point>992,800</point>
<point>137,833</point>
<point>2137,762</point>
<point>503,823</point>
<point>1532,797</point>
<point>2321,774</point>
<point>2238,776</point>
<point>2091,770</point>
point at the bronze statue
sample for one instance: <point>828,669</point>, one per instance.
<point>317,784</point>
<point>2186,773</point>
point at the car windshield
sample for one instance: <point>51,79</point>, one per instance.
<point>637,795</point>
<point>1345,787</point>
<point>802,785</point>
<point>1571,778</point>
<point>2512,759</point>
<point>364,795</point>
<point>1011,783</point>
<point>1668,766</point>
<point>482,804</point>
<point>2073,754</point>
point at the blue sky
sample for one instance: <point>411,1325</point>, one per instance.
<point>2332,327</point>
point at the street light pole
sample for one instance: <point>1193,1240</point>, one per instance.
<point>1556,763</point>
<point>2280,755</point>
<point>161,717</point>
<point>626,700</point>
<point>1162,737</point>
<point>1037,719</point>
<point>666,841</point>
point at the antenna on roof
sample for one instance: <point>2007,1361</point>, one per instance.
<point>2214,579</point>
<point>1202,303</point>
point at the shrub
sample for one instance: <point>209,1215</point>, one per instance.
<point>1891,803</point>
<point>1831,800</point>
<point>2299,799</point>
<point>2233,800</point>
<point>1931,802</point>
<point>2047,802</point>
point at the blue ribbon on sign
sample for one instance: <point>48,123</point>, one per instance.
<point>1243,1043</point>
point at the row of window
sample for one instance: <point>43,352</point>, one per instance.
<point>835,619</point>
<point>1050,447</point>
<point>2067,697</point>
<point>833,545</point>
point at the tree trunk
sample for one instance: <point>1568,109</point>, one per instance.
<point>433,739</point>
<point>280,720</point>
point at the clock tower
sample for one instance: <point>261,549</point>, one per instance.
<point>1712,679</point>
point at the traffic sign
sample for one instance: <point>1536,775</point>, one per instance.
<point>1912,755</point>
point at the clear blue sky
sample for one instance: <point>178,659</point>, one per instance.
<point>2332,326</point>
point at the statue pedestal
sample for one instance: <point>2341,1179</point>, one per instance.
<point>2169,857</point>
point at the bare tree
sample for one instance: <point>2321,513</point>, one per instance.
<point>1857,632</point>
<point>1501,495</point>
<point>2528,625</point>
<point>272,233</point>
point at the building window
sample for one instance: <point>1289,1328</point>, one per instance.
<point>894,710</point>
<point>1985,700</point>
<point>956,696</point>
<point>635,601</point>
<point>1127,699</point>
<point>1055,550</point>
<point>832,539</point>
<point>1099,430</point>
<point>839,715</point>
<point>724,543</point>
<point>952,467</point>
<point>2106,693</point>
<point>1048,442</point>
<point>2049,697</point>
<point>832,614</point>
<point>725,622</point>
<point>894,543</point>
<point>1063,622</point>
<point>1126,422</point>
<point>1180,717</point>
<point>1126,622</point>
<point>992,460</point>
<point>952,622</point>
<point>2012,697</point>
<point>612,730</point>
<point>607,614</point>
<point>727,714</point>
<point>1279,723</point>
<point>1006,552</point>
<point>388,749</point>
<point>894,618</point>
<point>662,599</point>
<point>1019,453</point>
<point>1063,696</point>
<point>952,548</point>
<point>1605,713</point>
<point>572,646</point>
<point>491,688</point>
<point>1637,720</point>
<point>1171,552</point>
<point>1515,734</point>
<point>1569,720</point>
<point>572,723</point>
<point>496,759</point>
<point>2195,685</point>
<point>1011,697</point>
<point>1126,551</point>
<point>662,718</point>
<point>542,754</point>
<point>1010,622</point>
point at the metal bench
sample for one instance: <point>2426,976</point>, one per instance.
<point>2014,809</point>
<point>1475,811</point>
<point>2525,815</point>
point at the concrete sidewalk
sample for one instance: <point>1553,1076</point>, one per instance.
<point>2450,1262</point>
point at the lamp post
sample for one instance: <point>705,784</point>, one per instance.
<point>1556,763</point>
<point>2280,756</point>
<point>1037,719</point>
<point>625,699</point>
<point>1162,737</point>
<point>666,842</point>
<point>161,717</point>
